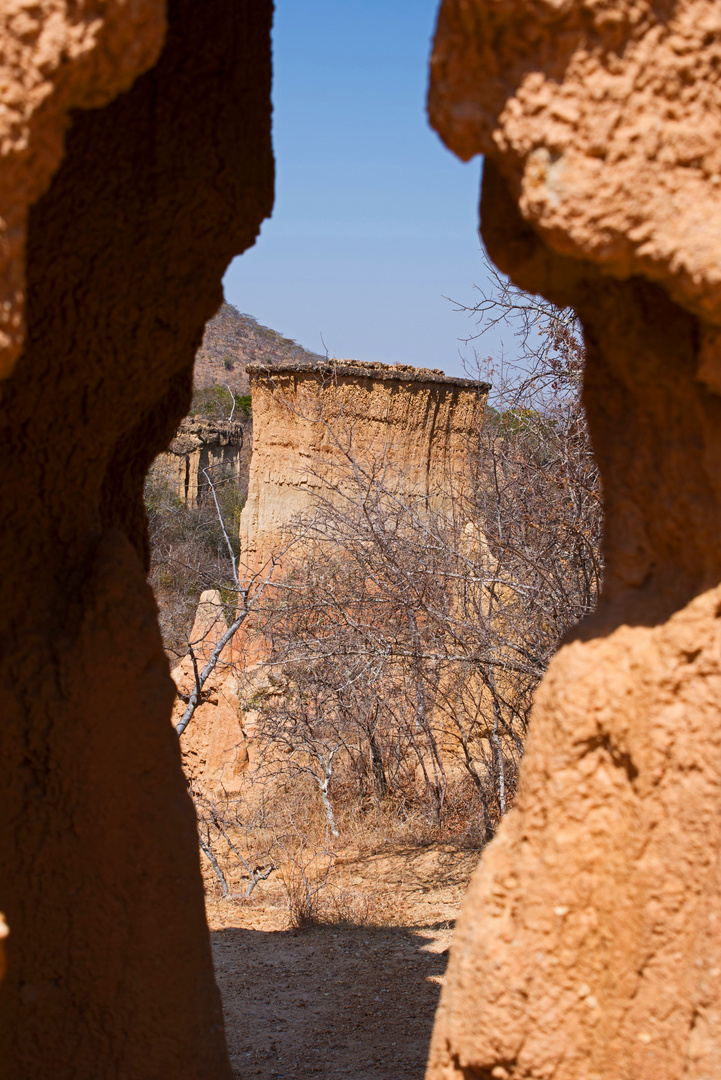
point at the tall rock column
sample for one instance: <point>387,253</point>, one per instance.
<point>589,946</point>
<point>108,962</point>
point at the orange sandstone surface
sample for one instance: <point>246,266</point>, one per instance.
<point>166,174</point>
<point>589,946</point>
<point>311,419</point>
<point>55,55</point>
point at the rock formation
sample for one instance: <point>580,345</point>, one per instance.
<point>233,340</point>
<point>214,744</point>
<point>590,943</point>
<point>56,56</point>
<point>215,447</point>
<point>307,417</point>
<point>108,962</point>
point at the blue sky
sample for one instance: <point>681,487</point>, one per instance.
<point>374,221</point>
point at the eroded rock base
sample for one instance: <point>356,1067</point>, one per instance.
<point>590,941</point>
<point>108,963</point>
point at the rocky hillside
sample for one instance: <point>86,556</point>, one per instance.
<point>231,341</point>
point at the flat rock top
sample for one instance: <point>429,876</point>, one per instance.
<point>366,370</point>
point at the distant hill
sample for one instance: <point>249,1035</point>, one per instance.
<point>231,341</point>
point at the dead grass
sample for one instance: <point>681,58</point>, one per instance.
<point>387,869</point>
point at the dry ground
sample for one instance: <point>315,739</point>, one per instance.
<point>355,997</point>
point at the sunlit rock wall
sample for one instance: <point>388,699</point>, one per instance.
<point>310,421</point>
<point>205,452</point>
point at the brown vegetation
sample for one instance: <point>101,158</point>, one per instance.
<point>397,656</point>
<point>408,639</point>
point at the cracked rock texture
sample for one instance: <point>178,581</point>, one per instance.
<point>589,946</point>
<point>605,119</point>
<point>55,55</point>
<point>109,971</point>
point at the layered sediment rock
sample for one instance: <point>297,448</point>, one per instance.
<point>205,449</point>
<point>109,972</point>
<point>590,945</point>
<point>310,420</point>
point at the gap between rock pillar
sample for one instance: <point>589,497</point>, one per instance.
<point>589,946</point>
<point>109,971</point>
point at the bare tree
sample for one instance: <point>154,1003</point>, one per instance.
<point>298,736</point>
<point>442,614</point>
<point>223,824</point>
<point>403,648</point>
<point>241,587</point>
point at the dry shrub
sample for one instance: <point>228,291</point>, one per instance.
<point>305,875</point>
<point>314,898</point>
<point>349,907</point>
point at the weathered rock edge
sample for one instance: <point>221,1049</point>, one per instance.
<point>109,971</point>
<point>589,946</point>
<point>367,369</point>
<point>55,56</point>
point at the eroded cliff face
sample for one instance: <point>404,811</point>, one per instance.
<point>205,449</point>
<point>310,420</point>
<point>108,961</point>
<point>605,120</point>
<point>590,945</point>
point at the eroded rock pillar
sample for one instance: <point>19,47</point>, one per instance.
<point>590,943</point>
<point>108,961</point>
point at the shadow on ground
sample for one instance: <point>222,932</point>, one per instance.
<point>330,1001</point>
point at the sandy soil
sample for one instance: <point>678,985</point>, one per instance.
<point>341,1000</point>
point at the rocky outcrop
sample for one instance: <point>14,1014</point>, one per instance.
<point>589,946</point>
<point>109,971</point>
<point>213,447</point>
<point>605,120</point>
<point>309,419</point>
<point>56,56</point>
<point>214,745</point>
